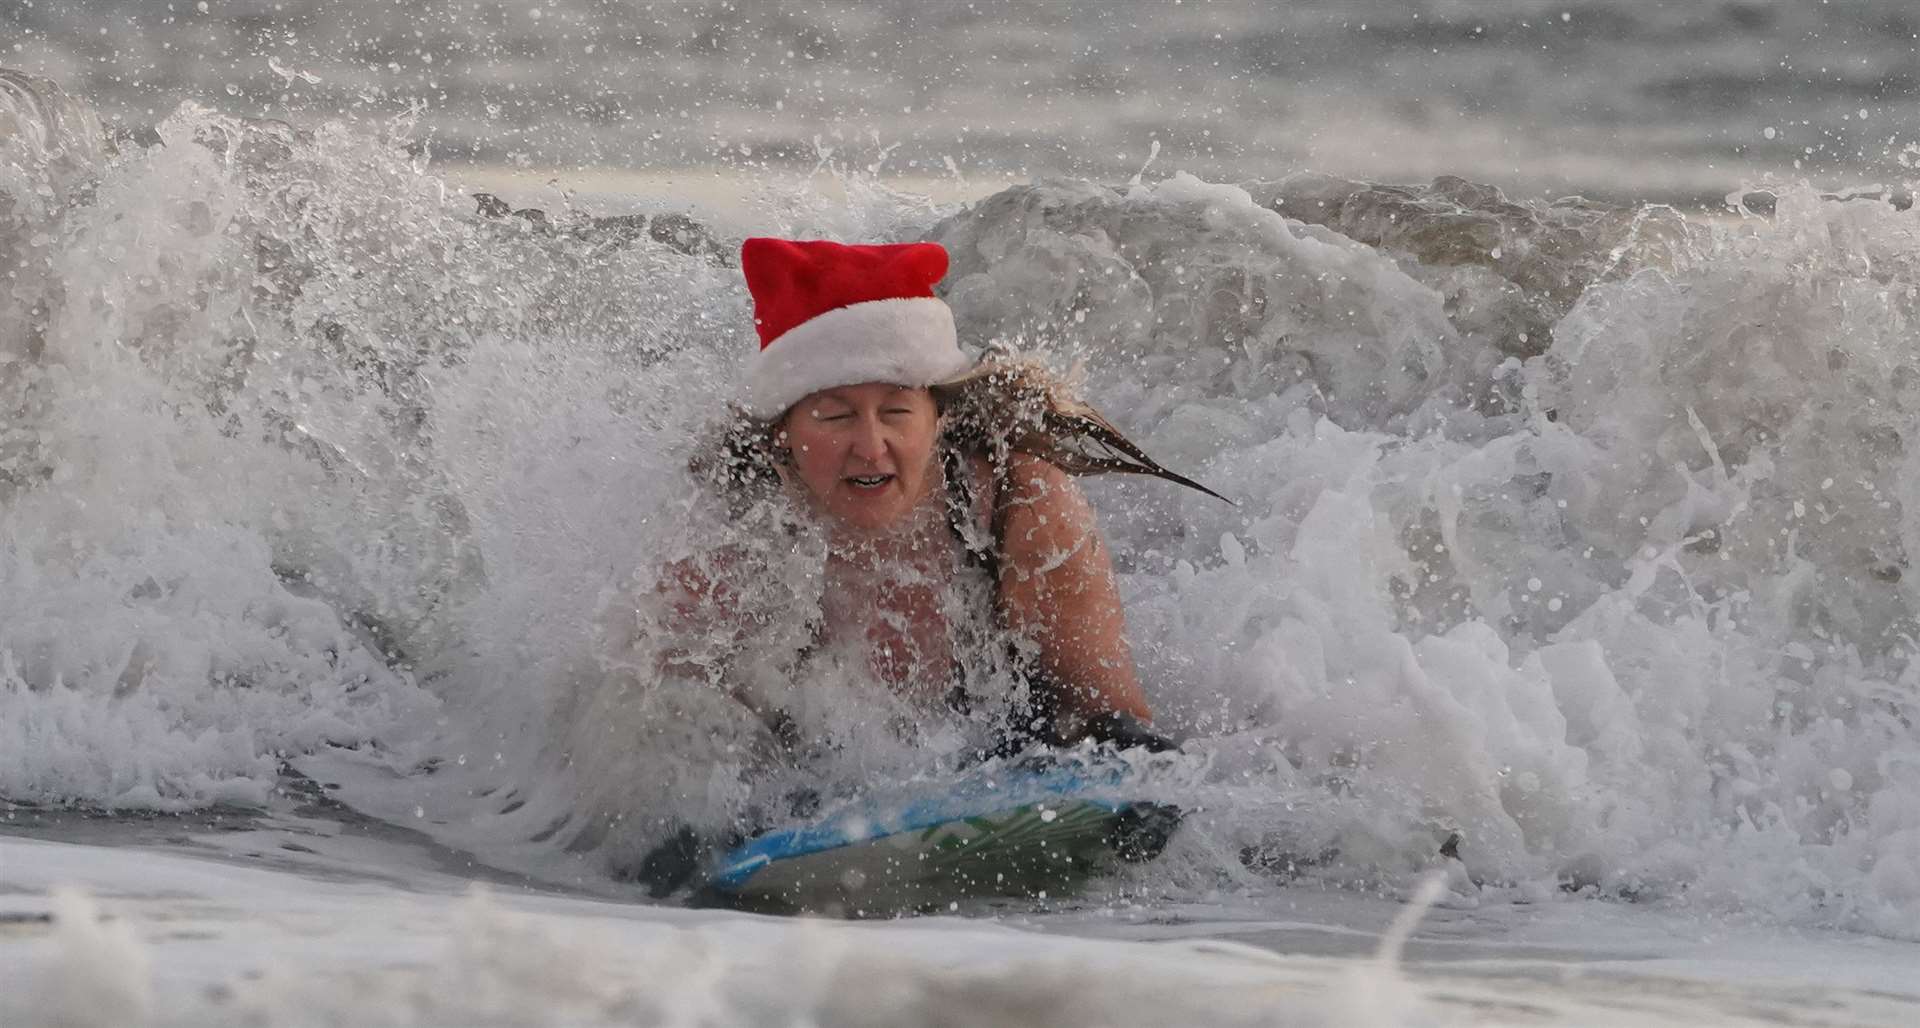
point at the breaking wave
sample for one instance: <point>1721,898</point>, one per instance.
<point>1579,529</point>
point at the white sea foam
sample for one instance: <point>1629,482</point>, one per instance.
<point>165,939</point>
<point>301,453</point>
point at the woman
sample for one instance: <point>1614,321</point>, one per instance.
<point>862,414</point>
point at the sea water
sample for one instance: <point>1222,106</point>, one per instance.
<point>1626,99</point>
<point>1577,529</point>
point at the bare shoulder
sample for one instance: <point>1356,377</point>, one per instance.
<point>702,579</point>
<point>1044,505</point>
<point>1028,481</point>
<point>1032,478</point>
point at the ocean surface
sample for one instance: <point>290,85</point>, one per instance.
<point>1631,100</point>
<point>331,496</point>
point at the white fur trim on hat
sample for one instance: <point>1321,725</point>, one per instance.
<point>908,341</point>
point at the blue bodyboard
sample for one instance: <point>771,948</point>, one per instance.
<point>1034,829</point>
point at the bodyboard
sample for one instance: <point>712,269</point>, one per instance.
<point>1030,830</point>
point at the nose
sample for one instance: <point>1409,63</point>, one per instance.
<point>869,440</point>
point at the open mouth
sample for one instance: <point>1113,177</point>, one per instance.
<point>869,481</point>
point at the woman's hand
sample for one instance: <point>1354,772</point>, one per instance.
<point>1057,588</point>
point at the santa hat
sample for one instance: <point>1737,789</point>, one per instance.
<point>830,315</point>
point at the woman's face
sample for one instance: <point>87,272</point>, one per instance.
<point>863,452</point>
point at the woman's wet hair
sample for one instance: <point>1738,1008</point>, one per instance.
<point>742,458</point>
<point>1003,406</point>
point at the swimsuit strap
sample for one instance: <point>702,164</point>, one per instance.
<point>963,507</point>
<point>1030,721</point>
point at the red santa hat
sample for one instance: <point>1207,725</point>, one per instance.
<point>830,315</point>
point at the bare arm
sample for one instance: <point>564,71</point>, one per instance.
<point>703,625</point>
<point>1057,588</point>
<point>704,620</point>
